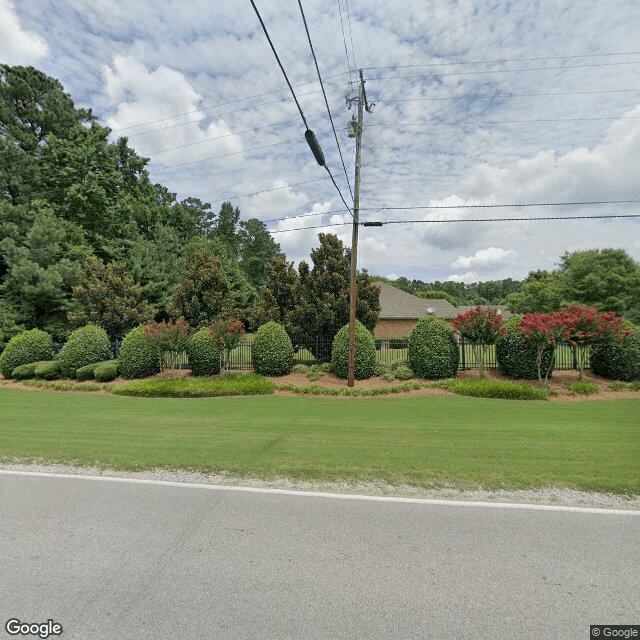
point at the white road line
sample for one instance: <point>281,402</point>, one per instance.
<point>323,494</point>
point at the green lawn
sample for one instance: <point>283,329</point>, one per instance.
<point>428,441</point>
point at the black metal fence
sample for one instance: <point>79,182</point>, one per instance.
<point>317,350</point>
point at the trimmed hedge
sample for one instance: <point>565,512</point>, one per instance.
<point>27,347</point>
<point>271,350</point>
<point>139,358</point>
<point>365,355</point>
<point>517,357</point>
<point>203,353</point>
<point>86,372</point>
<point>432,350</point>
<point>107,371</point>
<point>617,360</point>
<point>26,371</point>
<point>48,370</point>
<point>85,345</point>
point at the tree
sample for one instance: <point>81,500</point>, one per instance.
<point>41,270</point>
<point>107,296</point>
<point>322,295</point>
<point>225,228</point>
<point>607,279</point>
<point>279,293</point>
<point>203,293</point>
<point>481,327</point>
<point>256,248</point>
<point>544,330</point>
<point>585,326</point>
<point>541,292</point>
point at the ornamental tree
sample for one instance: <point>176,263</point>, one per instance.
<point>584,326</point>
<point>481,327</point>
<point>228,333</point>
<point>543,330</point>
<point>168,338</point>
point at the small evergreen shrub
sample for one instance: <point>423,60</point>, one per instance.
<point>84,346</point>
<point>271,350</point>
<point>432,350</point>
<point>399,343</point>
<point>517,356</point>
<point>86,372</point>
<point>403,372</point>
<point>617,360</point>
<point>25,348</point>
<point>139,358</point>
<point>204,353</point>
<point>48,370</point>
<point>26,371</point>
<point>365,353</point>
<point>107,371</point>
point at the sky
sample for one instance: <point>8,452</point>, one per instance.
<point>473,103</point>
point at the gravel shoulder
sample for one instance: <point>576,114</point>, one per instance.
<point>548,495</point>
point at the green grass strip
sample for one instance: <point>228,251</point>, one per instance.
<point>429,441</point>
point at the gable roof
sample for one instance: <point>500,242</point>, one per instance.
<point>396,304</point>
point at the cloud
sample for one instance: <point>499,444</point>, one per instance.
<point>17,45</point>
<point>485,258</point>
<point>160,112</point>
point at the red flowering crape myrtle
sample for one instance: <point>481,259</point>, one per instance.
<point>481,327</point>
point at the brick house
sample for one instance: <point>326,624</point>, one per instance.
<point>400,311</point>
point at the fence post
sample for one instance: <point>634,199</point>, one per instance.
<point>464,355</point>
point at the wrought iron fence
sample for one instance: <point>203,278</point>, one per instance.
<point>318,350</point>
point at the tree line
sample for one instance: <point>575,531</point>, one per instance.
<point>85,236</point>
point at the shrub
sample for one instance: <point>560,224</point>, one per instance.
<point>26,371</point>
<point>48,370</point>
<point>399,343</point>
<point>203,353</point>
<point>25,348</point>
<point>583,388</point>
<point>432,351</point>
<point>518,357</point>
<point>107,371</point>
<point>617,360</point>
<point>403,372</point>
<point>84,346</point>
<point>365,352</point>
<point>139,358</point>
<point>86,372</point>
<point>272,350</point>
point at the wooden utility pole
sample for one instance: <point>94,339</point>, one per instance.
<point>354,239</point>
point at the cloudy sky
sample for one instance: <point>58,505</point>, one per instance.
<point>477,102</point>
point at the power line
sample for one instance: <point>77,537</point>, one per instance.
<point>379,224</point>
<point>315,60</point>
<point>506,206</point>
<point>309,135</point>
<point>477,73</point>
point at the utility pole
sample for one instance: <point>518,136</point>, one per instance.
<point>354,236</point>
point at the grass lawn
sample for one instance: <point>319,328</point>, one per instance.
<point>428,441</point>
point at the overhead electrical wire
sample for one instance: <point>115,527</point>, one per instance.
<point>315,60</point>
<point>309,135</point>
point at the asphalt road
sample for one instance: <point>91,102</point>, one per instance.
<point>134,561</point>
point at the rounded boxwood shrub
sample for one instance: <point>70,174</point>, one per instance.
<point>25,348</point>
<point>272,350</point>
<point>84,346</point>
<point>26,371</point>
<point>86,372</point>
<point>203,353</point>
<point>518,357</point>
<point>107,371</point>
<point>365,356</point>
<point>432,350</point>
<point>49,370</point>
<point>139,358</point>
<point>617,360</point>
